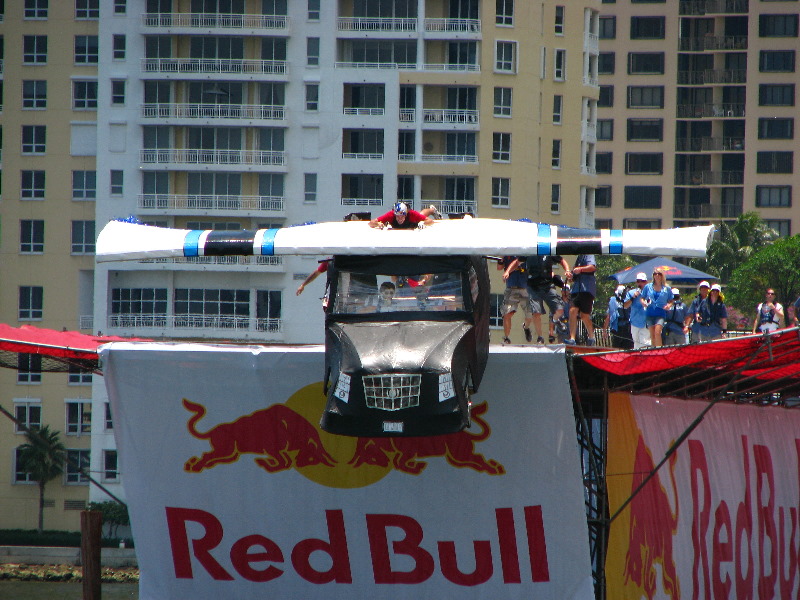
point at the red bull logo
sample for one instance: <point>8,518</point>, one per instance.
<point>282,437</point>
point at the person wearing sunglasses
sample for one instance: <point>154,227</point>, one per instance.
<point>769,314</point>
<point>656,298</point>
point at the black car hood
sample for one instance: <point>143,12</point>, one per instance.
<point>398,346</point>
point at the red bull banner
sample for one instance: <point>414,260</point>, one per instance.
<point>234,491</point>
<point>720,520</point>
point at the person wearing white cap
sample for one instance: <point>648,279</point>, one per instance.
<point>712,316</point>
<point>674,333</point>
<point>690,323</point>
<point>768,314</point>
<point>639,331</point>
<point>656,297</point>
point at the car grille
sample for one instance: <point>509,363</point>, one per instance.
<point>392,392</point>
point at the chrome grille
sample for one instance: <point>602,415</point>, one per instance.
<point>392,392</point>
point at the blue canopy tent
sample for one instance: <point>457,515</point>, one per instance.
<point>673,271</point>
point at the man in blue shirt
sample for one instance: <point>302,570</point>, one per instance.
<point>584,289</point>
<point>639,331</point>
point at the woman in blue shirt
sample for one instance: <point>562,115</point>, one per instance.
<point>656,297</point>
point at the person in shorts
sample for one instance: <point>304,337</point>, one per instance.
<point>516,295</point>
<point>656,298</point>
<point>584,289</point>
<point>542,283</point>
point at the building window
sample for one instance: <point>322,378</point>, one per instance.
<point>782,226</point>
<point>31,236</point>
<point>148,306</point>
<point>602,197</point>
<point>310,187</point>
<point>501,147</point>
<point>558,108</point>
<point>225,307</point>
<point>502,101</point>
<point>28,413</point>
<point>648,28</point>
<point>495,311</point>
<point>606,63</point>
<point>643,196</point>
<point>773,196</point>
<point>603,162</point>
<point>76,375</point>
<point>78,462</point>
<point>84,185</point>
<point>774,128</point>
<point>607,28</point>
<point>558,28</point>
<point>770,94</point>
<point>110,466</point>
<point>120,7</point>
<point>645,130</point>
<point>606,98</point>
<point>777,25</point>
<point>505,57</point>
<point>87,9</point>
<point>83,237</point>
<point>555,198</point>
<point>312,97</point>
<point>776,61</point>
<point>86,50</point>
<point>644,163</point>
<point>20,475</point>
<point>35,9</point>
<point>605,129</point>
<point>312,51</point>
<point>117,92</point>
<point>645,63</point>
<point>108,420</point>
<point>647,96</point>
<point>31,303</point>
<point>604,223</point>
<point>774,162</point>
<point>560,65</point>
<point>32,185</point>
<point>119,46</point>
<point>313,10</point>
<point>34,139</point>
<point>641,223</point>
<point>34,49</point>
<point>501,196</point>
<point>555,155</point>
<point>29,368</point>
<point>79,417</point>
<point>34,94</point>
<point>117,182</point>
<point>504,13</point>
<point>84,95</point>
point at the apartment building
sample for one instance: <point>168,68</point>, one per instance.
<point>229,114</point>
<point>696,112</point>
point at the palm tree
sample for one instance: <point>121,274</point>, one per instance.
<point>737,241</point>
<point>43,457</point>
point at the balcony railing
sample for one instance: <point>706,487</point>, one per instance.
<point>453,206</point>
<point>210,202</point>
<point>709,177</point>
<point>213,111</point>
<point>407,115</point>
<point>458,67</point>
<point>374,65</point>
<point>712,76</point>
<point>212,157</point>
<point>449,158</point>
<point>707,211</point>
<point>450,116</point>
<point>213,65</point>
<point>368,112</point>
<point>697,111</point>
<point>713,42</point>
<point>363,155</point>
<point>709,144</point>
<point>192,321</point>
<point>215,20</point>
<point>591,80</point>
<point>362,201</point>
<point>375,24</point>
<point>707,7</point>
<point>86,322</point>
<point>453,25</point>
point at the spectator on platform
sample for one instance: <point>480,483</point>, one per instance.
<point>794,313</point>
<point>542,290</point>
<point>675,332</point>
<point>690,323</point>
<point>639,331</point>
<point>768,314</point>
<point>618,320</point>
<point>656,297</point>
<point>516,295</point>
<point>584,290</point>
<point>712,316</point>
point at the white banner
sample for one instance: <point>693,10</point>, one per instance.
<point>720,520</point>
<point>235,492</point>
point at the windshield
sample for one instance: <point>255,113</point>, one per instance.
<point>361,293</point>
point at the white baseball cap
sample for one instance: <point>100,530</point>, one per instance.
<point>716,287</point>
<point>641,277</point>
<point>703,283</point>
<point>676,292</point>
<point>620,289</point>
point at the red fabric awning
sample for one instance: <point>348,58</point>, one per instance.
<point>49,342</point>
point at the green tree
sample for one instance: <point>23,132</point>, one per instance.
<point>43,457</point>
<point>774,266</point>
<point>736,242</point>
<point>115,514</point>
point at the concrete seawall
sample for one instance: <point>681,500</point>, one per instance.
<point>51,555</point>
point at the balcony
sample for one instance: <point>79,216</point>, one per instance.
<point>707,211</point>
<point>374,65</point>
<point>712,76</point>
<point>591,43</point>
<point>210,323</point>
<point>439,158</point>
<point>197,156</point>
<point>362,155</point>
<point>214,65</point>
<point>86,322</point>
<point>213,111</point>
<point>713,42</point>
<point>362,201</point>
<point>447,207</point>
<point>215,202</point>
<point>709,7</point>
<point>710,144</point>
<point>452,67</point>
<point>591,81</point>
<point>699,111</point>
<point>407,115</point>
<point>693,178</point>
<point>216,21</point>
<point>453,25</point>
<point>448,116</point>
<point>375,24</point>
<point>364,112</point>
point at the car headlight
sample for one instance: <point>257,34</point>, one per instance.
<point>342,391</point>
<point>446,389</point>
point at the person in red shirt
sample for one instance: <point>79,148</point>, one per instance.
<point>402,217</point>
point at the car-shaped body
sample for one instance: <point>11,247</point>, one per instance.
<point>406,342</point>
